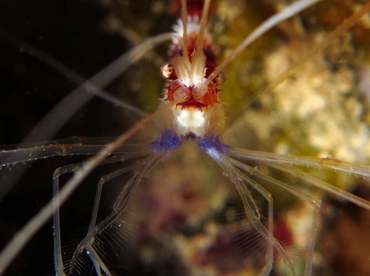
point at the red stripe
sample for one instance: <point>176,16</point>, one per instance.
<point>195,7</point>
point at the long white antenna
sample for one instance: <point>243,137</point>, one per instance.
<point>289,11</point>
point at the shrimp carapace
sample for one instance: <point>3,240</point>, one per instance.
<point>192,59</point>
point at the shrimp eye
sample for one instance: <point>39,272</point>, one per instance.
<point>167,70</point>
<point>220,78</point>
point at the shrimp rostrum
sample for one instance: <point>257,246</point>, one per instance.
<point>169,219</point>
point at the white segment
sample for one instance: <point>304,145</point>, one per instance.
<point>189,74</point>
<point>190,120</point>
<point>193,28</point>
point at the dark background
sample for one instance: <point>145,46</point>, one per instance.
<point>72,32</point>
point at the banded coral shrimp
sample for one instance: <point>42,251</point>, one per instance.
<point>217,196</point>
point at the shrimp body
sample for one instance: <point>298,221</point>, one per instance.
<point>195,105</point>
